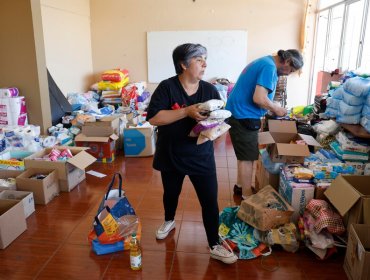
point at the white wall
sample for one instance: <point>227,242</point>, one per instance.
<point>67,37</point>
<point>119,31</point>
<point>85,37</point>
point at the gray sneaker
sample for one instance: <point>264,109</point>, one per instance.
<point>165,229</point>
<point>220,253</point>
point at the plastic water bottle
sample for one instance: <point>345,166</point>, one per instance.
<point>135,253</point>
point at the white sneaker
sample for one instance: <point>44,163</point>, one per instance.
<point>220,253</point>
<point>165,229</point>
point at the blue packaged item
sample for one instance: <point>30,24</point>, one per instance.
<point>327,154</point>
<point>271,167</point>
<point>102,249</point>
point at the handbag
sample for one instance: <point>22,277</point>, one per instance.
<point>115,221</point>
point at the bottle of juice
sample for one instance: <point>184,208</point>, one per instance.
<point>135,253</point>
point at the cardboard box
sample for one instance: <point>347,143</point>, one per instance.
<point>264,178</point>
<point>12,221</point>
<point>70,172</point>
<point>102,148</point>
<point>357,260</point>
<point>104,127</point>
<point>25,197</point>
<point>13,160</point>
<point>265,210</point>
<point>350,195</point>
<point>43,190</point>
<point>296,197</point>
<point>139,141</point>
<point>7,174</point>
<point>278,140</point>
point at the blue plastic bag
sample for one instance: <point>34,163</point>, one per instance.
<point>102,249</point>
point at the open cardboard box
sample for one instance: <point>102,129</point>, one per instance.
<point>12,221</point>
<point>104,127</point>
<point>70,172</point>
<point>44,190</point>
<point>279,137</point>
<point>350,195</point>
<point>357,261</point>
<point>26,197</point>
<point>103,148</point>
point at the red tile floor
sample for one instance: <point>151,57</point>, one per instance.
<point>55,243</point>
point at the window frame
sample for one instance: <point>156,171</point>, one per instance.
<point>320,65</point>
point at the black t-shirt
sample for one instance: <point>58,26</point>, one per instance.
<point>175,149</point>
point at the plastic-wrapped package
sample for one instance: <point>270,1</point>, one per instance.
<point>337,93</point>
<point>271,167</point>
<point>220,114</point>
<point>212,133</point>
<point>115,75</point>
<point>347,144</point>
<point>331,112</point>
<point>212,105</point>
<point>222,90</point>
<point>353,100</point>
<point>332,102</point>
<point>347,109</point>
<point>366,111</point>
<point>349,119</point>
<point>358,86</point>
<point>329,127</point>
<point>203,125</point>
<point>365,122</point>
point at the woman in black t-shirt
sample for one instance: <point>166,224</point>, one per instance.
<point>174,109</point>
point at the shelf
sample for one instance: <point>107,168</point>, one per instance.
<point>356,129</point>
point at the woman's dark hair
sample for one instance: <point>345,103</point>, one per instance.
<point>183,53</point>
<point>294,56</point>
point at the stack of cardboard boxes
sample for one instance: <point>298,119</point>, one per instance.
<point>349,194</point>
<point>282,148</point>
<point>39,183</point>
<point>101,137</point>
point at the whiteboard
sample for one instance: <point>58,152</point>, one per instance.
<point>227,52</point>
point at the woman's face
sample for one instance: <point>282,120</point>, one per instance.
<point>285,69</point>
<point>197,66</point>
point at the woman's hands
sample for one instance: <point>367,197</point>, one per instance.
<point>165,117</point>
<point>195,112</point>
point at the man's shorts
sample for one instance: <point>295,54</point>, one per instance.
<point>245,141</point>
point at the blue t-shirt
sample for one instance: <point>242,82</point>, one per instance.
<point>261,72</point>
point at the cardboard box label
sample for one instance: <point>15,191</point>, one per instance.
<point>139,141</point>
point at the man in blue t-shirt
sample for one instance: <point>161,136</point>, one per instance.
<point>249,101</point>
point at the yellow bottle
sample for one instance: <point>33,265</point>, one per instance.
<point>135,253</point>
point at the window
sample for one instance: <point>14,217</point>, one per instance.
<point>327,3</point>
<point>365,58</point>
<point>352,32</point>
<point>333,39</point>
<point>342,41</point>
